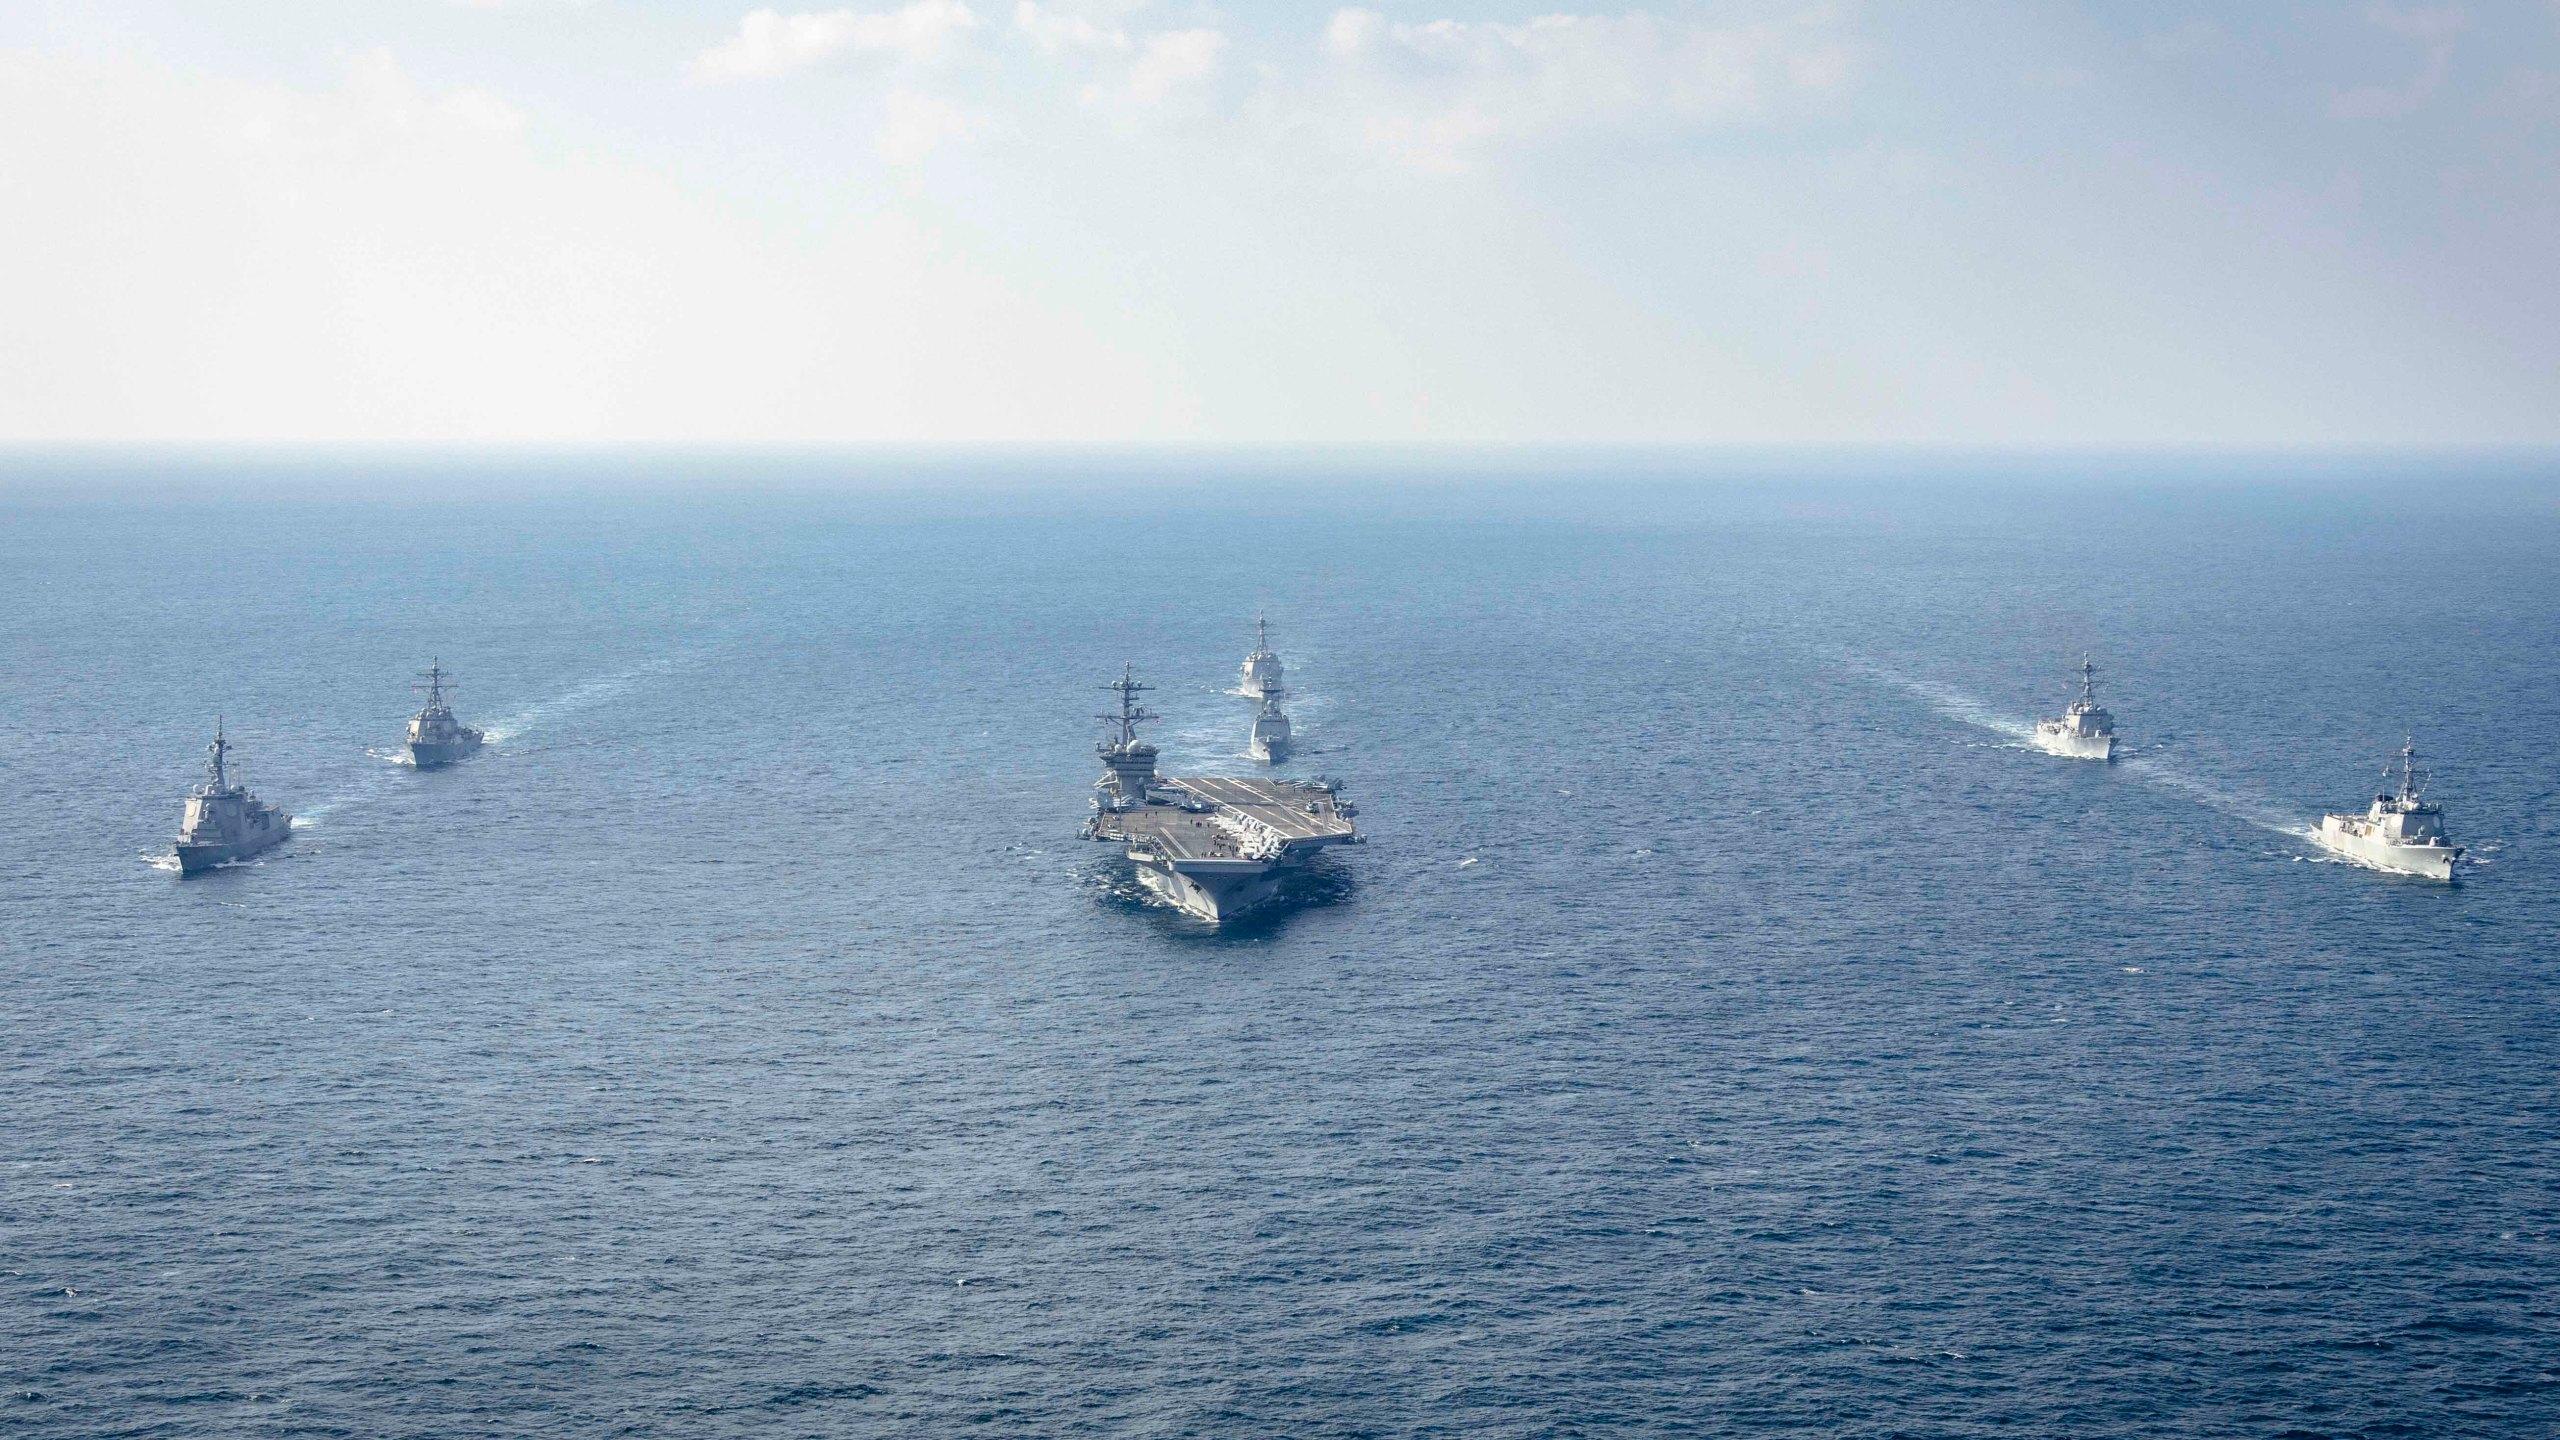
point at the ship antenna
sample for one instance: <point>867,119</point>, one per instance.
<point>2409,768</point>
<point>1131,713</point>
<point>2088,681</point>
<point>1262,634</point>
<point>218,747</point>
<point>435,683</point>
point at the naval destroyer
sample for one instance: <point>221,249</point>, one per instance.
<point>1213,845</point>
<point>2085,731</point>
<point>437,739</point>
<point>1261,674</point>
<point>2400,831</point>
<point>223,821</point>
<point>1270,743</point>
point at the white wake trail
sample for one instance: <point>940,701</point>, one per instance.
<point>376,782</point>
<point>2240,805</point>
<point>1956,705</point>
<point>1946,700</point>
<point>534,717</point>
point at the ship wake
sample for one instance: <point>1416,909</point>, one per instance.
<point>2153,770</point>
<point>2238,804</point>
<point>367,788</point>
<point>534,717</point>
<point>1947,701</point>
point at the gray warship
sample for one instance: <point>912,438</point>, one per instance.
<point>223,822</point>
<point>1213,845</point>
<point>1270,742</point>
<point>436,739</point>
<point>2401,830</point>
<point>2086,731</point>
<point>1261,674</point>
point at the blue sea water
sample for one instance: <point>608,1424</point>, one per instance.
<point>1729,1028</point>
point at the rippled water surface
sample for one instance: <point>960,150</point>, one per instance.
<point>1729,1029</point>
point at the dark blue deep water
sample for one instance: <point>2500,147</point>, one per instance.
<point>1729,1030</point>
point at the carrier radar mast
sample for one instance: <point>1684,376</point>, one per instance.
<point>1131,714</point>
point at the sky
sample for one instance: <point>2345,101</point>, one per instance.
<point>1166,222</point>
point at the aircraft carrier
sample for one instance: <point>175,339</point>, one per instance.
<point>1214,845</point>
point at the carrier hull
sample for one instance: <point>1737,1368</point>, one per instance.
<point>1212,896</point>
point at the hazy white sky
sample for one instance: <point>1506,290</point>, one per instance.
<point>1158,220</point>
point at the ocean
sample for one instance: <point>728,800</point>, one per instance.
<point>1729,1028</point>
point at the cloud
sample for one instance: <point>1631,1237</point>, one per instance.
<point>1168,68</point>
<point>770,43</point>
<point>2434,30</point>
<point>1132,73</point>
<point>914,124</point>
<point>1438,95</point>
<point>2188,37</point>
<point>2435,25</point>
<point>372,261</point>
<point>1056,27</point>
<point>480,110</point>
<point>377,104</point>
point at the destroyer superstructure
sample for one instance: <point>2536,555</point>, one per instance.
<point>1270,742</point>
<point>1213,845</point>
<point>436,738</point>
<point>2085,731</point>
<point>1261,674</point>
<point>2401,831</point>
<point>222,821</point>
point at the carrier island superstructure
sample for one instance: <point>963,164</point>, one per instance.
<point>2401,830</point>
<point>1214,845</point>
